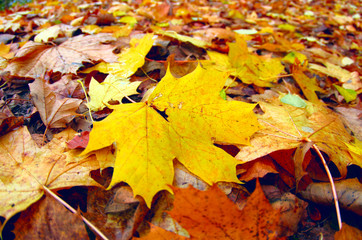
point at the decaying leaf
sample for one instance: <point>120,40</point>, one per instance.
<point>34,59</point>
<point>54,112</point>
<point>48,219</point>
<point>8,121</point>
<point>195,117</point>
<point>349,194</point>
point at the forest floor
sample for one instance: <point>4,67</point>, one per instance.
<point>181,119</point>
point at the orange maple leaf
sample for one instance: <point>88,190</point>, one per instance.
<point>211,215</point>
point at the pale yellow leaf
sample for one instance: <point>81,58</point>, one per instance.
<point>112,88</point>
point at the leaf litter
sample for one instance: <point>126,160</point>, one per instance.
<point>244,91</point>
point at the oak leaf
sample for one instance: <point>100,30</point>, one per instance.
<point>54,112</point>
<point>24,166</point>
<point>34,59</point>
<point>195,117</point>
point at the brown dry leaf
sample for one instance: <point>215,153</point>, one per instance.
<point>352,118</point>
<point>162,219</point>
<point>97,199</point>
<point>211,215</point>
<point>212,33</point>
<point>126,211</point>
<point>34,59</point>
<point>291,210</point>
<point>48,219</point>
<point>54,112</point>
<point>115,213</point>
<point>66,87</point>
<point>8,121</point>
<point>24,166</point>
<point>349,194</point>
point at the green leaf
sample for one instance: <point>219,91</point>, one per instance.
<point>290,57</point>
<point>293,100</point>
<point>348,94</point>
<point>223,94</point>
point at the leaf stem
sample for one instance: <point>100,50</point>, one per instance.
<point>334,192</point>
<point>130,99</point>
<point>64,203</point>
<point>152,79</point>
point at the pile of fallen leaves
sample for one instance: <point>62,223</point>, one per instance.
<point>181,119</point>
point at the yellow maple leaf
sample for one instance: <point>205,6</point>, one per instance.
<point>195,117</point>
<point>249,68</point>
<point>129,60</point>
<point>112,88</point>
